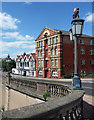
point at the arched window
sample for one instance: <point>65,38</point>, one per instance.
<point>55,73</point>
<point>40,72</point>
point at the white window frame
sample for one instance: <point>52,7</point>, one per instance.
<point>53,40</point>
<point>83,62</point>
<point>52,62</point>
<point>40,72</point>
<point>56,39</point>
<point>56,51</point>
<point>82,51</point>
<point>50,40</point>
<point>55,73</point>
<point>91,42</point>
<point>91,51</point>
<point>39,43</point>
<point>41,62</point>
<point>38,62</point>
<point>38,53</point>
<point>56,62</point>
<point>82,42</point>
<point>52,51</point>
<point>91,62</point>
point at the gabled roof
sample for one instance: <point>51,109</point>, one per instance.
<point>26,55</point>
<point>63,32</point>
<point>46,28</point>
<point>34,55</point>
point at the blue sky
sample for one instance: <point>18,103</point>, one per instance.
<point>22,22</point>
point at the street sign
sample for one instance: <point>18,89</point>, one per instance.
<point>21,69</point>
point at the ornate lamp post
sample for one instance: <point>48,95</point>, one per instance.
<point>75,32</point>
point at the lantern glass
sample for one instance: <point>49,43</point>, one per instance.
<point>77,26</point>
<point>71,36</point>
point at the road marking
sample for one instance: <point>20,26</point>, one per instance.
<point>88,95</point>
<point>89,87</point>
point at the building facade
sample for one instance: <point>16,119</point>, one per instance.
<point>26,64</point>
<point>55,53</point>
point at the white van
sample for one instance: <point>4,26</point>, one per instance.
<point>15,71</point>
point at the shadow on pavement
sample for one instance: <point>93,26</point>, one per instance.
<point>88,111</point>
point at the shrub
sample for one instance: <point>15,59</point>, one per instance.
<point>67,76</point>
<point>82,75</point>
<point>46,94</point>
<point>90,75</point>
<point>2,108</point>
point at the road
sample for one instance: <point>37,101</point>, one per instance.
<point>87,84</point>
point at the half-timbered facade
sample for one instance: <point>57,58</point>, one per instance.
<point>26,64</point>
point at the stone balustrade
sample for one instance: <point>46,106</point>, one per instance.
<point>66,105</point>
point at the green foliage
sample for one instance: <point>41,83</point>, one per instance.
<point>90,75</point>
<point>7,66</point>
<point>82,75</point>
<point>2,108</point>
<point>67,76</point>
<point>46,95</point>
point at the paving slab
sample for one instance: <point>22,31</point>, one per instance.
<point>88,107</point>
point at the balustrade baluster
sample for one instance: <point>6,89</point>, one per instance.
<point>64,118</point>
<point>67,116</point>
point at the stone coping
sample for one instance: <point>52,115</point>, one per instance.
<point>42,81</point>
<point>48,108</point>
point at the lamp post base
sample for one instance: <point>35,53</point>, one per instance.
<point>76,83</point>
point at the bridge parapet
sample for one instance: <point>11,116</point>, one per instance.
<point>68,105</point>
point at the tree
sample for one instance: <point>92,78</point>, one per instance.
<point>7,66</point>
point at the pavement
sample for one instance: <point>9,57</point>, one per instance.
<point>88,107</point>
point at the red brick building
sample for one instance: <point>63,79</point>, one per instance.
<point>55,53</point>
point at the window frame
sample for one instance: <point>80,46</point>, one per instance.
<point>82,51</point>
<point>82,42</point>
<point>52,62</point>
<point>82,62</point>
<point>56,62</point>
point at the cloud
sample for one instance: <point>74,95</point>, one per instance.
<point>28,1</point>
<point>89,17</point>
<point>15,35</point>
<point>6,46</point>
<point>8,22</point>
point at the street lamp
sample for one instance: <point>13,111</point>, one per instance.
<point>77,26</point>
<point>76,31</point>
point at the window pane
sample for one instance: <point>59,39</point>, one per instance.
<point>91,42</point>
<point>52,62</point>
<point>82,41</point>
<point>53,40</point>
<point>56,62</point>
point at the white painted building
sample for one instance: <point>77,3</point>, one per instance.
<point>26,64</point>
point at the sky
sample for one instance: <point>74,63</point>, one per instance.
<point>22,22</point>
